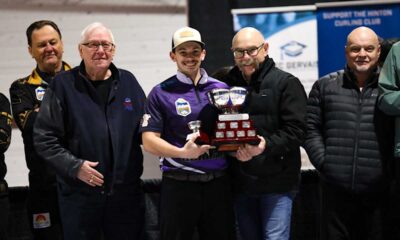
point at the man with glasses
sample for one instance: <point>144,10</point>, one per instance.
<point>87,130</point>
<point>46,47</point>
<point>266,178</point>
<point>195,191</point>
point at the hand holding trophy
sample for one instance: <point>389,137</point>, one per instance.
<point>233,129</point>
<point>202,137</point>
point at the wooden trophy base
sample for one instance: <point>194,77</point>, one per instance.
<point>232,145</point>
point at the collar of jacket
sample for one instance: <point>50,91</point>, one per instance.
<point>85,83</point>
<point>235,76</point>
<point>114,71</point>
<point>185,79</point>
<point>351,79</point>
<point>263,69</point>
<point>35,78</point>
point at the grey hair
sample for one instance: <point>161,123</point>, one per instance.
<point>91,27</point>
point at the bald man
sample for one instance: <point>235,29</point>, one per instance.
<point>350,142</point>
<point>266,177</point>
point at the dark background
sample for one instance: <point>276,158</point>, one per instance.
<point>213,19</point>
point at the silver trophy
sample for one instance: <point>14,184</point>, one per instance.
<point>233,129</point>
<point>237,96</point>
<point>220,98</point>
<point>229,101</point>
<point>195,126</point>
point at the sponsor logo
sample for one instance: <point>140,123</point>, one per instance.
<point>40,93</point>
<point>145,120</point>
<point>292,49</point>
<point>182,107</point>
<point>41,220</point>
<point>128,104</point>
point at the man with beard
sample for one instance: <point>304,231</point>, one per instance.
<point>46,47</point>
<point>350,143</point>
<point>266,177</point>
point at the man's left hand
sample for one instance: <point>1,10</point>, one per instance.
<point>247,152</point>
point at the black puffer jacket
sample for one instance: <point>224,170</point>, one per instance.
<point>349,140</point>
<point>277,104</point>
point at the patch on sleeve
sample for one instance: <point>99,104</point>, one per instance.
<point>145,120</point>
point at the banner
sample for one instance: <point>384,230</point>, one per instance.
<point>291,33</point>
<point>336,20</point>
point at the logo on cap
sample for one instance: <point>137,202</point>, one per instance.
<point>186,33</point>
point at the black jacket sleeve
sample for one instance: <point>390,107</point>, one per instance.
<point>23,107</point>
<point>49,134</point>
<point>5,132</point>
<point>314,143</point>
<point>5,123</point>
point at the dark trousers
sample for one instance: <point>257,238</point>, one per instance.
<point>187,206</point>
<point>4,209</point>
<point>392,230</point>
<point>349,216</point>
<point>88,215</point>
<point>43,214</point>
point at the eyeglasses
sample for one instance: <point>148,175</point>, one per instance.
<point>107,46</point>
<point>239,53</point>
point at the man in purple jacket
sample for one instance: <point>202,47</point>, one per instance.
<point>195,189</point>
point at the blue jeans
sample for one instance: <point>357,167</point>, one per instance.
<point>264,216</point>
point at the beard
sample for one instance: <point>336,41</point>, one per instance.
<point>254,63</point>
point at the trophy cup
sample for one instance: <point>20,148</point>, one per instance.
<point>233,129</point>
<point>195,127</point>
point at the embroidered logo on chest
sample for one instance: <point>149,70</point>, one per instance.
<point>39,91</point>
<point>182,107</point>
<point>41,220</point>
<point>128,104</point>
